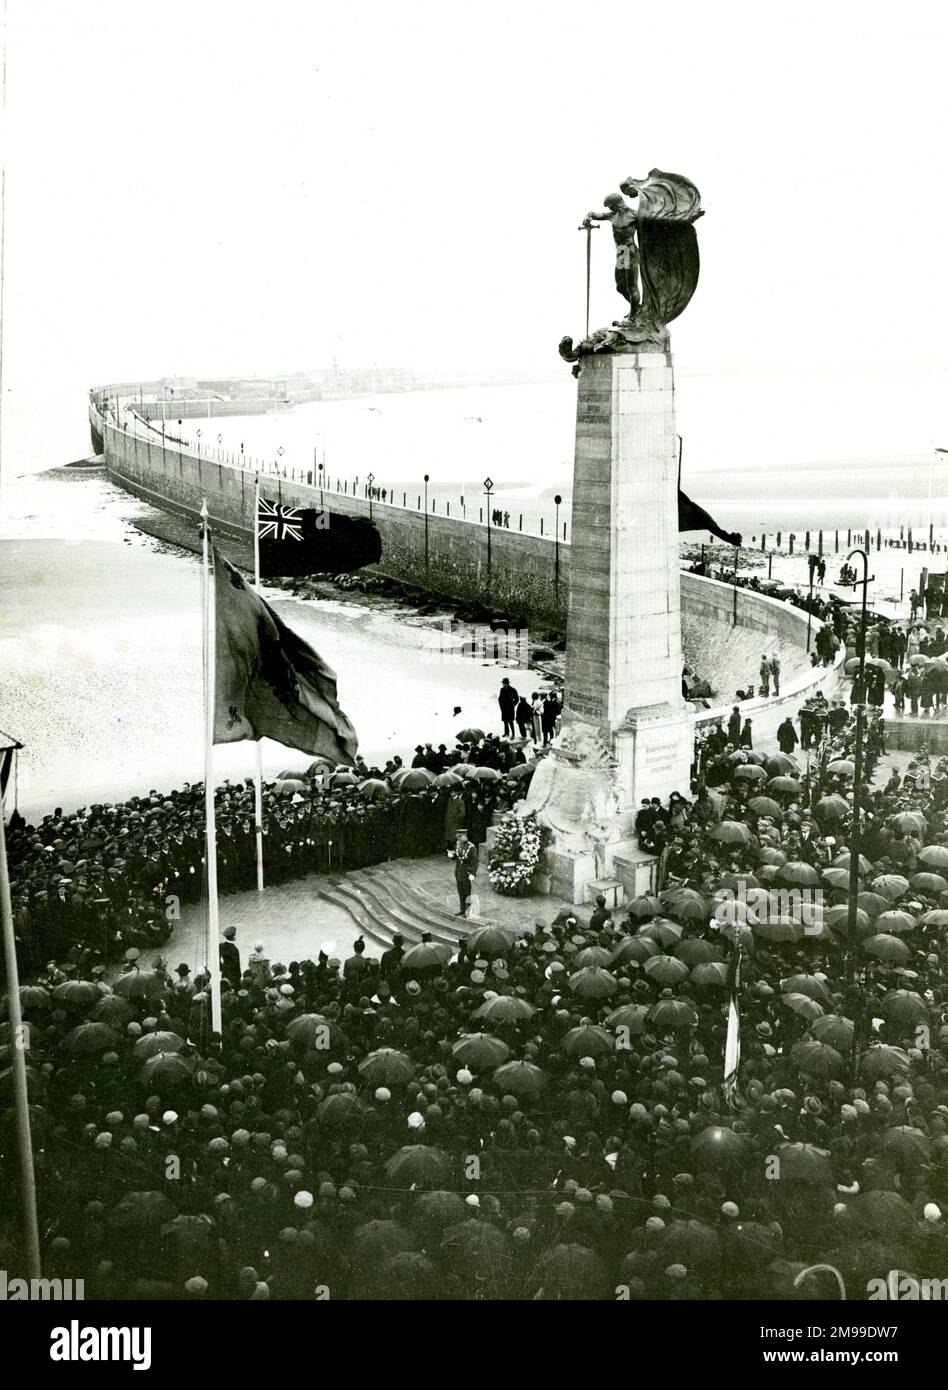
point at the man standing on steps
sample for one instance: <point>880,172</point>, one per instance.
<point>465,867</point>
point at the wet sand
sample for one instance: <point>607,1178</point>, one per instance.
<point>100,674</point>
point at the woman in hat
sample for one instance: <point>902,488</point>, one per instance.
<point>258,965</point>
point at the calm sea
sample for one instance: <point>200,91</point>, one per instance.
<point>837,450</point>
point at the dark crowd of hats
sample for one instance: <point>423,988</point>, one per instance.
<point>102,877</point>
<point>537,1115</point>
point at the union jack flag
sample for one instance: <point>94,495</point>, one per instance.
<point>278,523</point>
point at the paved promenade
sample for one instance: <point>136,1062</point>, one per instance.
<point>295,924</point>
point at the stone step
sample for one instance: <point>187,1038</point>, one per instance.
<point>418,900</point>
<point>380,904</point>
<point>371,923</point>
<point>370,928</point>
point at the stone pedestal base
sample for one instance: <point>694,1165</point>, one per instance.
<point>609,888</point>
<point>569,871</point>
<point>654,748</point>
<point>616,850</point>
<point>637,871</point>
<point>652,756</point>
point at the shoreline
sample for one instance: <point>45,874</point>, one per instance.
<point>366,589</point>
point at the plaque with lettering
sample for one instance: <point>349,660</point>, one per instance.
<point>594,407</point>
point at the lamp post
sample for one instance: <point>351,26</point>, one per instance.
<point>737,560</point>
<point>556,554</point>
<point>488,489</point>
<point>370,479</point>
<point>427,476</point>
<point>319,469</point>
<point>931,526</point>
<point>854,835</point>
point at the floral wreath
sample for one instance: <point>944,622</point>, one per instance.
<point>515,855</point>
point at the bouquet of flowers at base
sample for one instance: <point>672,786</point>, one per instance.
<point>515,856</point>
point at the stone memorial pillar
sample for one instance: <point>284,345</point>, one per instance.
<point>625,733</point>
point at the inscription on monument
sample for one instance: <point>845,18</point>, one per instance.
<point>594,407</point>
<point>660,756</point>
<point>584,702</point>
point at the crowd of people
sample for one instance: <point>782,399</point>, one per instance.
<point>104,874</point>
<point>537,1115</point>
<point>534,718</point>
<point>533,1114</point>
<point>932,601</point>
<point>900,657</point>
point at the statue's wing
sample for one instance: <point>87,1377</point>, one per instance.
<point>667,206</point>
<point>669,260</point>
<point>665,197</point>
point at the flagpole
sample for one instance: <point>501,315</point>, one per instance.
<point>20,1040</point>
<point>258,752</point>
<point>732,1044</point>
<point>212,947</point>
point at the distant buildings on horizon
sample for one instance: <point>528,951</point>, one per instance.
<point>327,383</point>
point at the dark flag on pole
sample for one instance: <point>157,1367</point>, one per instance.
<point>6,767</point>
<point>691,517</point>
<point>8,752</point>
<point>307,540</point>
<point>269,682</point>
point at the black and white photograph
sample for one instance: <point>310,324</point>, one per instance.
<point>474,666</point>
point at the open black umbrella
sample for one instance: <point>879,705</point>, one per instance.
<point>418,1165</point>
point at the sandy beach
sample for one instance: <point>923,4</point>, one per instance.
<point>101,677</point>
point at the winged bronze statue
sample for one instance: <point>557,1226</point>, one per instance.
<point>657,260</point>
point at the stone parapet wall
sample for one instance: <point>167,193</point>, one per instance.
<point>528,575</point>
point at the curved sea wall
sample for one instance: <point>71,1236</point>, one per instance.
<point>460,559</point>
<point>529,575</point>
<point>758,624</point>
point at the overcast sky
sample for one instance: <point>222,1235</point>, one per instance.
<point>212,185</point>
